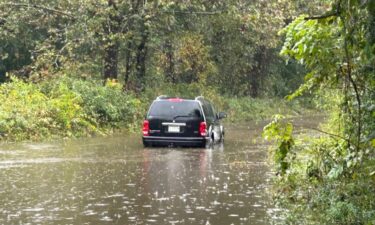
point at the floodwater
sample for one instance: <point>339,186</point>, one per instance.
<point>114,180</point>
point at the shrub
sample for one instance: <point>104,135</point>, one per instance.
<point>27,113</point>
<point>108,105</point>
<point>64,107</point>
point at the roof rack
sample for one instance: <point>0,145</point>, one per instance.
<point>199,97</point>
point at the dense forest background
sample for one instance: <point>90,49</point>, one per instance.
<point>90,66</point>
<point>232,46</point>
<point>75,68</point>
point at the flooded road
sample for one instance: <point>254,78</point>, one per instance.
<point>116,181</point>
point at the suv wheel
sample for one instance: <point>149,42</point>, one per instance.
<point>145,144</point>
<point>209,143</point>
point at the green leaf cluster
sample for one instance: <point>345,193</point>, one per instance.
<point>281,132</point>
<point>67,107</point>
<point>144,43</point>
<point>331,173</point>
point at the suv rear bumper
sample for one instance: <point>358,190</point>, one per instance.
<point>176,141</point>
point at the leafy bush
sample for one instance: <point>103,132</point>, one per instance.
<point>108,105</point>
<point>280,131</point>
<point>64,107</point>
<point>320,186</point>
<point>70,106</point>
<point>28,113</point>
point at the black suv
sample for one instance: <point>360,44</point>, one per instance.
<point>184,122</point>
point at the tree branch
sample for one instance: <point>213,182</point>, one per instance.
<point>112,3</point>
<point>3,26</point>
<point>357,95</point>
<point>330,134</point>
<point>330,14</point>
<point>193,12</point>
<point>56,11</point>
<point>2,21</point>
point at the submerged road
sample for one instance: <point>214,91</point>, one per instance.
<point>114,180</point>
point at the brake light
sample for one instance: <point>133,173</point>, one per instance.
<point>175,100</point>
<point>146,128</point>
<point>203,129</point>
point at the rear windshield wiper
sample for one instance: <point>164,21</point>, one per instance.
<point>181,116</point>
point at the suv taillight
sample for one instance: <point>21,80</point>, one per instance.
<point>203,129</point>
<point>146,128</point>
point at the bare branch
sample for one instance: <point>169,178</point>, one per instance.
<point>193,12</point>
<point>357,95</point>
<point>56,11</point>
<point>330,134</point>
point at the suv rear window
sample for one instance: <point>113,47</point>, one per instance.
<point>170,109</point>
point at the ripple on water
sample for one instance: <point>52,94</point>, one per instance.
<point>10,166</point>
<point>89,213</point>
<point>118,195</point>
<point>100,180</point>
<point>106,219</point>
<point>41,146</point>
<point>33,210</point>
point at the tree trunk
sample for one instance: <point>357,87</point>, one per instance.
<point>111,27</point>
<point>128,61</point>
<point>170,73</point>
<point>111,61</point>
<point>256,73</point>
<point>141,59</point>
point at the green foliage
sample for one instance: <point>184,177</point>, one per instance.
<point>71,106</point>
<point>281,132</point>
<point>64,107</point>
<point>250,109</point>
<point>191,60</point>
<point>307,38</point>
<point>140,42</point>
<point>331,173</point>
<point>106,105</point>
<point>238,109</point>
<point>27,113</point>
<point>317,191</point>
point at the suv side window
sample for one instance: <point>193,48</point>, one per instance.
<point>213,111</point>
<point>207,109</point>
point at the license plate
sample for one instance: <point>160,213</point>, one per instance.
<point>173,129</point>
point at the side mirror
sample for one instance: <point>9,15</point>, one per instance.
<point>221,115</point>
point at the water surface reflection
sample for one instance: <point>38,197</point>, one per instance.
<point>116,181</point>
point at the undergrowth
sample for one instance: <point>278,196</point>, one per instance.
<point>64,107</point>
<point>318,180</point>
<point>70,106</point>
<point>239,109</point>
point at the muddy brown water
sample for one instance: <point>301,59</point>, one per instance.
<point>114,180</point>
